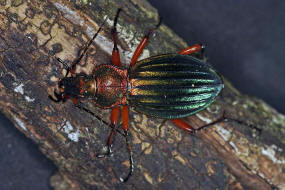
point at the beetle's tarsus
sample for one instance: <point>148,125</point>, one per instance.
<point>224,118</point>
<point>107,154</point>
<point>131,169</point>
<point>151,31</point>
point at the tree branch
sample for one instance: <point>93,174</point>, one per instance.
<point>229,155</point>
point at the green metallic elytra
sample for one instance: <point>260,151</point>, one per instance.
<point>173,86</point>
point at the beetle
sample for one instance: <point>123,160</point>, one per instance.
<point>169,86</point>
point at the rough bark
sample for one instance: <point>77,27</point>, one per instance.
<point>229,155</point>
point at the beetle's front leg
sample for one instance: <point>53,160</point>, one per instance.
<point>189,129</point>
<point>186,127</point>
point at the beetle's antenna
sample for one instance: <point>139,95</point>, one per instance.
<point>77,60</point>
<point>78,105</point>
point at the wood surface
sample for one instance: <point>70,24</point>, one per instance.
<point>244,153</point>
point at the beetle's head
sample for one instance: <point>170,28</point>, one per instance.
<point>61,93</point>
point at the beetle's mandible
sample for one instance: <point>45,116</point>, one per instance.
<point>170,86</point>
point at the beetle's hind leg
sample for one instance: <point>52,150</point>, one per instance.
<point>224,118</point>
<point>183,125</point>
<point>186,127</point>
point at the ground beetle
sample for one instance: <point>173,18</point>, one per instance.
<point>170,86</point>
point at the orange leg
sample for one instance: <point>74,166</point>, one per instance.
<point>192,49</point>
<point>186,127</point>
<point>183,125</point>
<point>125,118</point>
<point>115,113</point>
<point>142,45</point>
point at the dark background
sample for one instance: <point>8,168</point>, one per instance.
<point>244,41</point>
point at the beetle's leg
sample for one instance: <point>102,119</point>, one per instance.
<point>115,113</point>
<point>186,127</point>
<point>125,125</point>
<point>142,44</point>
<point>193,49</point>
<point>115,53</point>
<point>224,118</point>
<point>183,125</point>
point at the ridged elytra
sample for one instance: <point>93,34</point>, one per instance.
<point>173,86</point>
